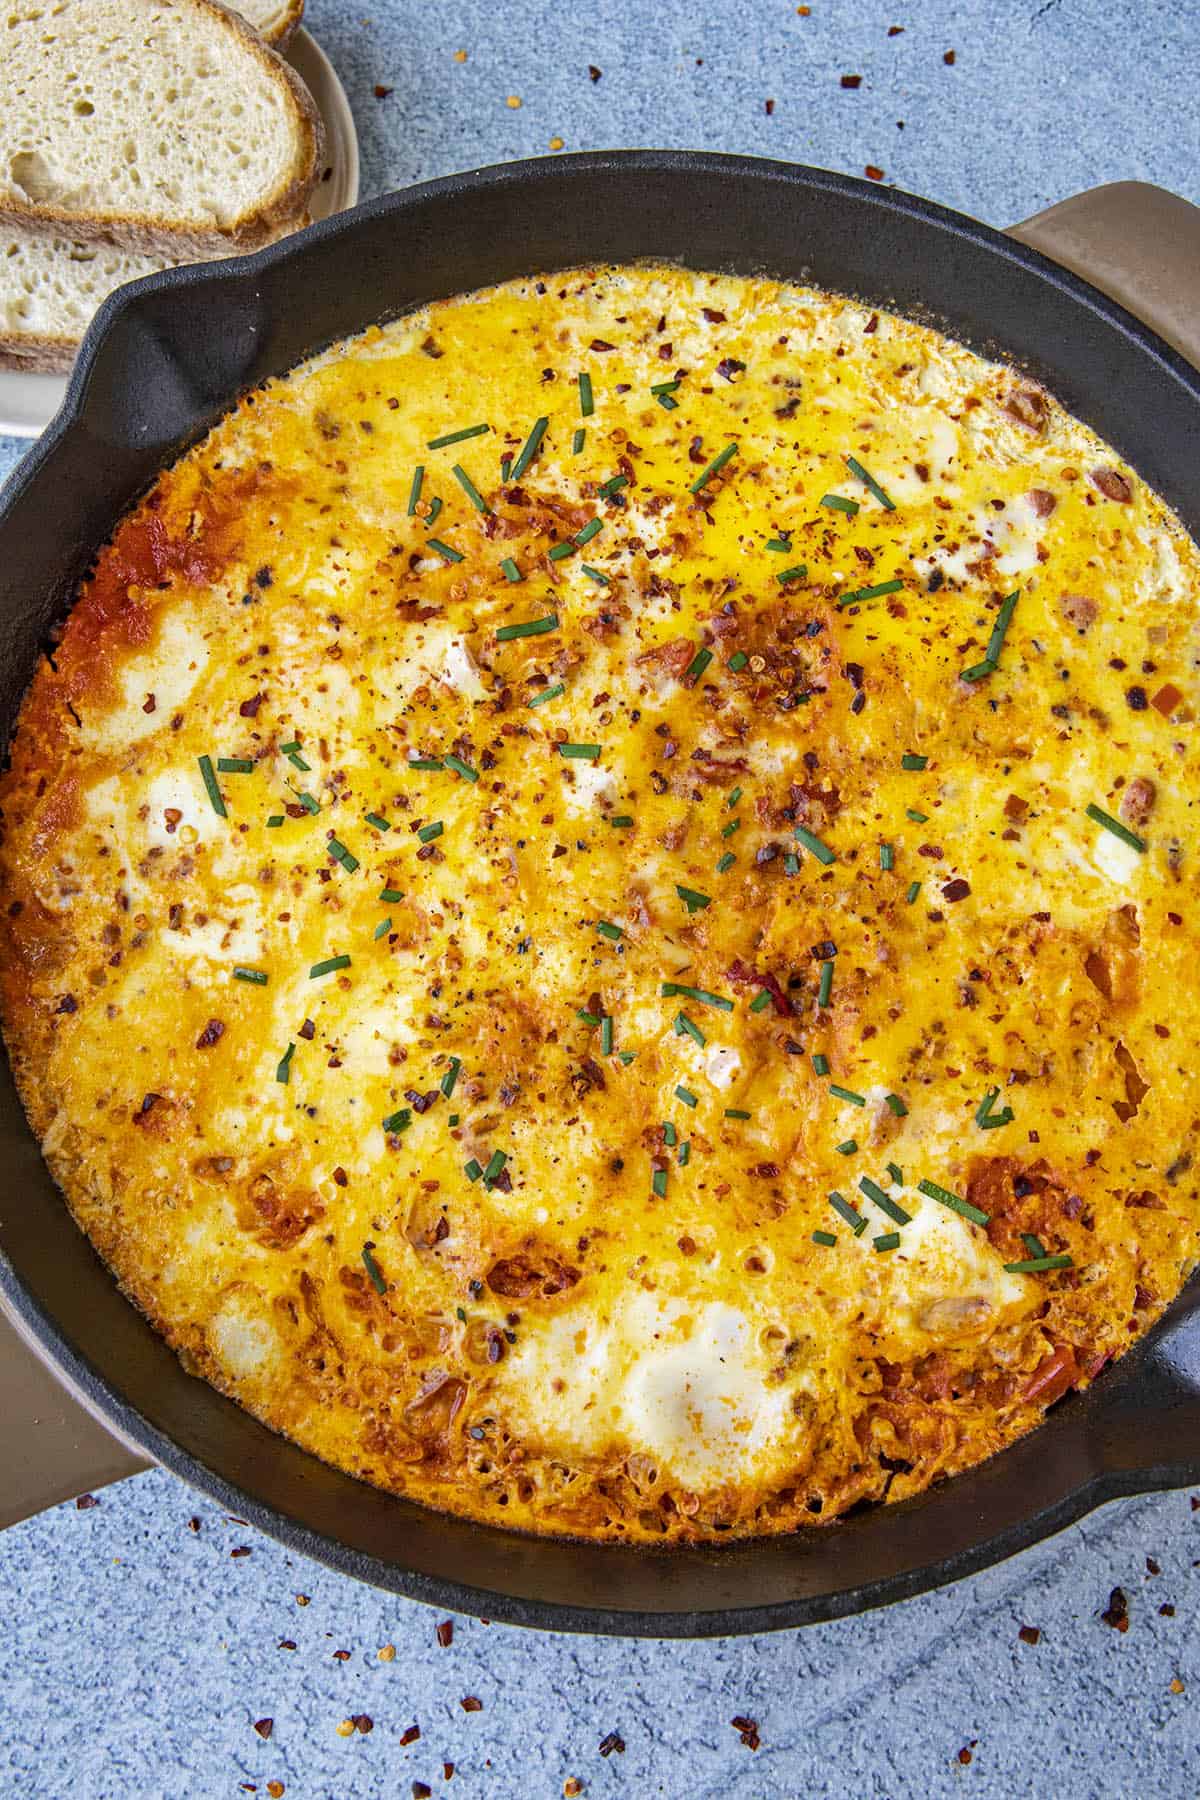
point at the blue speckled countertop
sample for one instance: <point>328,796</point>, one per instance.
<point>145,1635</point>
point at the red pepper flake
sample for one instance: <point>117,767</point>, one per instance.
<point>1030,1634</point>
<point>410,1735</point>
<point>264,1727</point>
<point>86,1502</point>
<point>851,81</point>
<point>363,1723</point>
<point>302,1600</point>
<point>747,1730</point>
<point>212,1034</point>
<point>149,703</point>
<point>895,31</point>
<point>594,72</point>
<point>381,93</point>
<point>572,1787</point>
<point>1152,1568</point>
<point>769,108</point>
<point>1117,1612</point>
<point>341,1656</point>
<point>421,1790</point>
<point>613,1741</point>
<point>872,173</point>
<point>447,1771</point>
<point>1166,1610</point>
<point>949,59</point>
<point>956,890</point>
<point>240,1550</point>
<point>276,1790</point>
<point>194,1525</point>
<point>964,1755</point>
<point>445,1633</point>
<point>469,1703</point>
<point>287,1644</point>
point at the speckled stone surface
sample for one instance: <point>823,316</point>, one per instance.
<point>138,1647</point>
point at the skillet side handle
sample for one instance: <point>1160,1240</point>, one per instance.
<point>53,1449</point>
<point>1139,244</point>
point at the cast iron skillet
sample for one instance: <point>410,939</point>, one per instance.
<point>163,360</point>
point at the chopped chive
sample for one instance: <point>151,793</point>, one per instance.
<point>1034,1245</point>
<point>896,1105</point>
<point>670,989</point>
<point>848,1148</point>
<point>451,1076</point>
<point>820,1063</point>
<point>621,821</point>
<point>828,1238</point>
<point>1037,1265</point>
<point>910,760</point>
<point>683,1155</point>
<point>850,1214</point>
<point>578,440</point>
<point>883,1201</point>
<point>826,987</point>
<point>726,863</point>
<point>580,752</point>
<point>435,507</point>
<point>686,1096</point>
<point>589,1018</point>
<point>461,768</point>
<point>469,489</point>
<point>256,977</point>
<point>896,1173</point>
<point>550,693</point>
<point>472,1170</point>
<point>665,401</point>
<point>761,999</point>
<point>918,818</point>
<point>288,748</point>
<point>328,966</point>
<point>283,1068</point>
<point>782,544</point>
<point>685,1027</point>
<point>423,762</point>
<point>738,660</point>
<point>870,593</point>
<point>694,901</point>
<point>995,1120</point>
<point>614,933</point>
<point>887,1240</point>
<point>427,833</point>
<point>847,1094</point>
<point>587,532</point>
<point>235,765</point>
<point>339,853</point>
<point>527,628</point>
<point>613,485</point>
<point>275,820</point>
<point>382,929</point>
<point>736,1112</point>
<point>309,802</point>
<point>1000,629</point>
<point>292,752</point>
<point>530,447</point>
<point>559,551</point>
<point>913,890</point>
<point>839,503</point>
<point>986,1104</point>
<point>391,896</point>
<point>397,1122</point>
<point>595,574</point>
<point>869,481</point>
<point>697,665</point>
<point>887,857</point>
<point>733,825</point>
<point>587,404</point>
<point>378,821</point>
<point>457,437</point>
<point>954,1201</point>
<point>665,387</point>
<point>670,1135</point>
<point>978,671</point>
<point>798,572</point>
<point>511,570</point>
<point>452,1121</point>
<point>506,466</point>
<point>606,1035</point>
<point>1118,830</point>
<point>447,551</point>
<point>734,796</point>
<point>414,492</point>
<point>715,466</point>
<point>659,1183</point>
<point>373,1270</point>
<point>495,1165</point>
<point>210,782</point>
<point>813,844</point>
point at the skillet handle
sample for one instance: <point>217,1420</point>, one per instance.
<point>52,1446</point>
<point>1139,244</point>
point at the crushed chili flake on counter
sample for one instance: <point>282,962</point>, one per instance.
<point>747,1730</point>
<point>410,1735</point>
<point>610,1742</point>
<point>1116,1613</point>
<point>387,1653</point>
<point>445,1633</point>
<point>470,1703</point>
<point>264,1727</point>
<point>1030,1634</point>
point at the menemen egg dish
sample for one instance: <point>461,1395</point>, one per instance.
<point>599,905</point>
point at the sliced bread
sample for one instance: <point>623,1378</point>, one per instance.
<point>49,289</point>
<point>274,20</point>
<point>165,126</point>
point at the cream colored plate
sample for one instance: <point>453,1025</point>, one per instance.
<point>29,402</point>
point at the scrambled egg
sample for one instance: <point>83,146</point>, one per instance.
<point>599,905</point>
